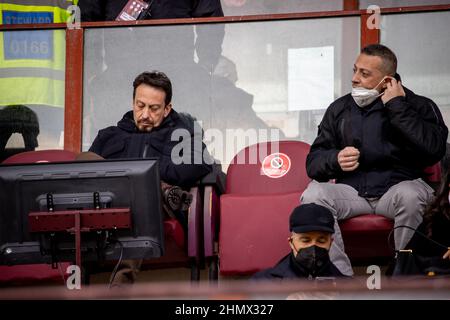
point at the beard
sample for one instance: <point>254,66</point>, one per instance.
<point>145,126</point>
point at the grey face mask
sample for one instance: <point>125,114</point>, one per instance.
<point>363,97</point>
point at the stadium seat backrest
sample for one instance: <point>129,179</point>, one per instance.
<point>254,218</point>
<point>269,168</point>
<point>41,156</point>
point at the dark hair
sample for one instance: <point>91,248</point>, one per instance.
<point>440,205</point>
<point>154,79</point>
<point>389,60</point>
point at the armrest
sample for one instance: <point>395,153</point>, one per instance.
<point>215,178</point>
<point>212,185</point>
<point>194,225</point>
<point>211,221</point>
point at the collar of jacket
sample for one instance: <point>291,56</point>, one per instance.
<point>286,268</point>
<point>127,122</point>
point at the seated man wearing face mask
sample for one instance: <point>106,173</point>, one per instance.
<point>376,143</point>
<point>311,229</point>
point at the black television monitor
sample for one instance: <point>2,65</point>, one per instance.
<point>133,184</point>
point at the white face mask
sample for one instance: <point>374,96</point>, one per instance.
<point>363,97</point>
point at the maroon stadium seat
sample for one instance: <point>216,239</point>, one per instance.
<point>366,236</point>
<point>41,156</point>
<point>255,209</point>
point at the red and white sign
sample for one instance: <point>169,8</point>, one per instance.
<point>276,165</point>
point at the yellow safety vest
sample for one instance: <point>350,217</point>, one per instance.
<point>32,62</point>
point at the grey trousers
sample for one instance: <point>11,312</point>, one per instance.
<point>403,202</point>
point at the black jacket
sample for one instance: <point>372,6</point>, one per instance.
<point>106,10</point>
<point>125,141</point>
<point>396,142</point>
<point>287,269</point>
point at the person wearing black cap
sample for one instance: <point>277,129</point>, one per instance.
<point>311,227</point>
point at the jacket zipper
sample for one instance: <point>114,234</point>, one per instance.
<point>144,153</point>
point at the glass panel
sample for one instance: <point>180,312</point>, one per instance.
<point>248,7</point>
<point>274,74</point>
<point>363,4</point>
<point>32,77</point>
<point>423,61</point>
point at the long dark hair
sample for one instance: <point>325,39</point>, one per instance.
<point>440,205</point>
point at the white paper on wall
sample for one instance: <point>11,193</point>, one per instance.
<point>310,78</point>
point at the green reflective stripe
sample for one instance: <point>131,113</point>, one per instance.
<point>63,4</point>
<point>32,73</point>
<point>30,91</point>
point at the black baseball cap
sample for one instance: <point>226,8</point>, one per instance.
<point>311,217</point>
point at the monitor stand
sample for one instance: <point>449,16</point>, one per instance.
<point>77,221</point>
